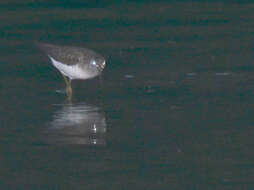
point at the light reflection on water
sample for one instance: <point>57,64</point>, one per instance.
<point>77,124</point>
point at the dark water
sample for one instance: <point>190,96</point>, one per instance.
<point>174,109</point>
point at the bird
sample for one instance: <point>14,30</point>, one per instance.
<point>74,62</point>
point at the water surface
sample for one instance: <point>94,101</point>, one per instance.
<point>173,109</point>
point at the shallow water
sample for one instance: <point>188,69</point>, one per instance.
<point>173,109</point>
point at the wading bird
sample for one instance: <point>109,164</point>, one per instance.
<point>74,62</point>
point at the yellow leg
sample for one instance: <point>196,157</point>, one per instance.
<point>68,87</point>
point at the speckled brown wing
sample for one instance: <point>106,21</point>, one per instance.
<point>67,54</point>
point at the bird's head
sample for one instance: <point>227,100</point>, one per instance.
<point>97,64</point>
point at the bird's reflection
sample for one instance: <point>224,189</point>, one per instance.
<point>77,124</point>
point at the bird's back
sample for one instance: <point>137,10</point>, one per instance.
<point>68,55</point>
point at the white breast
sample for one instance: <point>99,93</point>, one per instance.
<point>72,71</point>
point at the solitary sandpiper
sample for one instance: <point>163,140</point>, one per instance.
<point>74,62</point>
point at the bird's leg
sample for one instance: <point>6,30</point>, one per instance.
<point>68,87</point>
<point>69,90</point>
